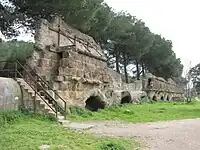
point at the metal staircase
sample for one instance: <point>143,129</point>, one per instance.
<point>40,91</point>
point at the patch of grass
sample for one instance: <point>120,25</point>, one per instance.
<point>10,116</point>
<point>145,112</point>
<point>30,131</point>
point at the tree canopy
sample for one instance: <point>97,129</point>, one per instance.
<point>194,74</point>
<point>126,39</point>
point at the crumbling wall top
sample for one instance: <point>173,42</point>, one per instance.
<point>57,33</point>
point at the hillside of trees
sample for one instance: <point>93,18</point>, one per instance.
<point>125,38</point>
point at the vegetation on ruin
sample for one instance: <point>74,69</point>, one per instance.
<point>21,131</point>
<point>14,50</point>
<point>145,112</point>
<point>127,40</point>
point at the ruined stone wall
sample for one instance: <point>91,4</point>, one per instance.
<point>72,63</point>
<point>159,88</point>
<point>76,68</point>
<point>78,75</point>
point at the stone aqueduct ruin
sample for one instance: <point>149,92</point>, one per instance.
<point>76,68</point>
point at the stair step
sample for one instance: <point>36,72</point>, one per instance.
<point>40,98</point>
<point>60,117</point>
<point>53,113</point>
<point>63,122</point>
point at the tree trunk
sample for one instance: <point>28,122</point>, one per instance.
<point>138,70</point>
<point>117,61</point>
<point>143,70</point>
<point>125,70</point>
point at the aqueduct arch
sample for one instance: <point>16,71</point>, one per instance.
<point>125,97</point>
<point>94,100</point>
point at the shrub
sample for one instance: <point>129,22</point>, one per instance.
<point>110,145</point>
<point>75,110</point>
<point>9,117</point>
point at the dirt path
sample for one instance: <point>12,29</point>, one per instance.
<point>166,135</point>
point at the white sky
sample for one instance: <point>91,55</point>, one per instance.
<point>176,20</point>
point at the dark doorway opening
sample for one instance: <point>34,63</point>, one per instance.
<point>126,99</point>
<point>167,98</point>
<point>154,98</point>
<point>162,98</point>
<point>94,103</point>
<point>149,81</point>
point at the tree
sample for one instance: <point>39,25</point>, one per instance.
<point>14,50</point>
<point>195,76</point>
<point>125,39</point>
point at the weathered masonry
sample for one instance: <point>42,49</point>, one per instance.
<point>159,89</point>
<point>74,65</point>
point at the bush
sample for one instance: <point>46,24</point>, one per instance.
<point>10,117</point>
<point>75,110</point>
<point>112,146</point>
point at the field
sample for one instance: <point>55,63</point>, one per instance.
<point>22,131</point>
<point>28,132</point>
<point>145,112</point>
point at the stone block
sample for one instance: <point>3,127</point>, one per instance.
<point>80,73</point>
<point>49,55</point>
<point>53,63</point>
<point>68,63</point>
<point>67,71</point>
<point>106,78</point>
<point>72,95</point>
<point>73,85</point>
<point>67,78</point>
<point>75,55</point>
<point>87,59</point>
<point>80,65</point>
<point>86,74</point>
<point>59,78</point>
<point>66,54</point>
<point>44,62</point>
<point>55,85</point>
<point>80,87</point>
<point>64,85</point>
<point>94,74</point>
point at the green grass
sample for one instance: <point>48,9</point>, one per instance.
<point>28,132</point>
<point>145,112</point>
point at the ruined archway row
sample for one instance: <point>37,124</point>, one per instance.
<point>165,96</point>
<point>96,100</point>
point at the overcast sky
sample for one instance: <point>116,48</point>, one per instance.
<point>176,20</point>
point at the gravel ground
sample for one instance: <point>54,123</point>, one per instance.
<point>165,135</point>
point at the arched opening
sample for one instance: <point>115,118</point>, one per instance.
<point>162,98</point>
<point>167,97</point>
<point>126,97</point>
<point>149,81</point>
<point>126,100</point>
<point>154,98</point>
<point>94,103</point>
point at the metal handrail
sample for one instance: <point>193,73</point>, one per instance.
<point>36,92</point>
<point>16,71</point>
<point>49,87</point>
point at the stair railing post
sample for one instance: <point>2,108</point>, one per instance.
<point>15,70</point>
<point>35,94</point>
<point>65,111</point>
<point>56,107</point>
